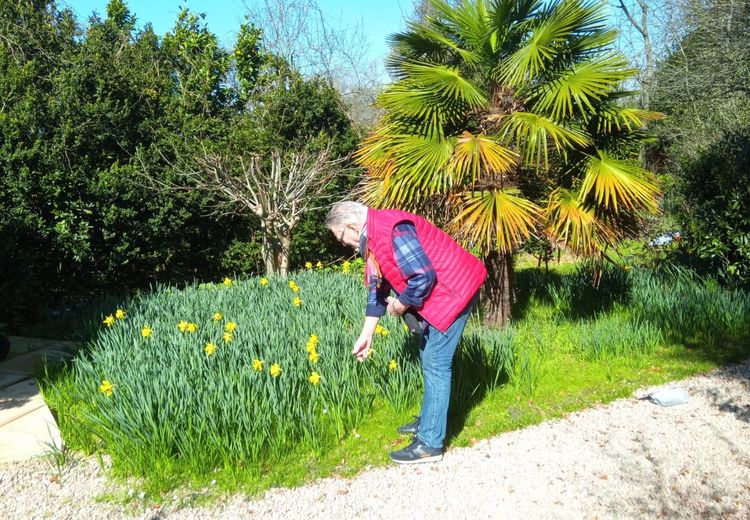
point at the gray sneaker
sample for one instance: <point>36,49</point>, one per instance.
<point>411,428</point>
<point>417,452</point>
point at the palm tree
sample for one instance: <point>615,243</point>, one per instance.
<point>506,120</point>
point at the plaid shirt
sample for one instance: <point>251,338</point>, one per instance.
<point>414,265</point>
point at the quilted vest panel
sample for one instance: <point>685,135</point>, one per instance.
<point>459,273</point>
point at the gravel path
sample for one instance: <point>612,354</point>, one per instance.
<point>629,459</point>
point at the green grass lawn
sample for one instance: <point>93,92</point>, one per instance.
<point>572,347</point>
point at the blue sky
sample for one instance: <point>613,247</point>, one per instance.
<point>378,18</point>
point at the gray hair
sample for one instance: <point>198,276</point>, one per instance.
<point>346,212</point>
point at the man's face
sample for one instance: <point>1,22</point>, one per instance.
<point>348,235</point>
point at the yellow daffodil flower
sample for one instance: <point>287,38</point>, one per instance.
<point>210,349</point>
<point>297,301</point>
<point>227,337</point>
<point>191,327</point>
<point>106,387</point>
<point>315,378</point>
<point>120,314</point>
<point>183,325</point>
<point>275,370</point>
<point>345,267</point>
<point>308,265</point>
<point>231,326</point>
<point>392,366</point>
<point>381,331</point>
<point>264,281</point>
<point>312,343</point>
<point>227,282</point>
<point>319,265</point>
<point>313,357</point>
<point>257,365</point>
<point>146,331</point>
<point>109,320</point>
<point>218,316</point>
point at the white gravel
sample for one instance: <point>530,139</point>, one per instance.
<point>629,459</point>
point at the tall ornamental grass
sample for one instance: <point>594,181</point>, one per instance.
<point>242,373</point>
<point>691,309</point>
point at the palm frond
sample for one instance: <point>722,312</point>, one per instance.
<point>426,44</point>
<point>610,117</point>
<point>581,85</point>
<point>477,155</point>
<point>467,20</point>
<point>490,219</point>
<point>445,82</point>
<point>569,222</point>
<point>559,22</point>
<point>614,183</point>
<point>533,134</point>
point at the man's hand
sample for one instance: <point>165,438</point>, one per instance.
<point>395,307</point>
<point>362,347</point>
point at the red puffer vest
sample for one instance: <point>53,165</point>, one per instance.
<point>459,273</point>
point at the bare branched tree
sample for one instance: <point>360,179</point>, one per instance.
<point>301,33</point>
<point>277,190</point>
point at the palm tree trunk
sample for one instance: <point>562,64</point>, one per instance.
<point>498,293</point>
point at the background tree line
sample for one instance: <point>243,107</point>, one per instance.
<point>85,110</point>
<point>694,58</point>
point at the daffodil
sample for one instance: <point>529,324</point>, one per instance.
<point>308,265</point>
<point>297,301</point>
<point>345,267</point>
<point>392,366</point>
<point>264,281</point>
<point>314,378</point>
<point>109,320</point>
<point>275,370</point>
<point>120,314</point>
<point>227,337</point>
<point>228,282</point>
<point>312,343</point>
<point>257,365</point>
<point>230,326</point>
<point>319,265</point>
<point>146,331</point>
<point>210,349</point>
<point>313,357</point>
<point>381,331</point>
<point>106,387</point>
<point>191,327</point>
<point>218,316</point>
<point>183,325</point>
<point>293,286</point>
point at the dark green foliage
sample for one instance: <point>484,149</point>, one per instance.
<point>702,86</point>
<point>85,111</point>
<point>716,197</point>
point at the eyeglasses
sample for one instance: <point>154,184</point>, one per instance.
<point>341,238</point>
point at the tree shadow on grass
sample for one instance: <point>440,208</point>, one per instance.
<point>575,295</point>
<point>483,362</point>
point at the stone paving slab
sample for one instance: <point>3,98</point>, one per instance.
<point>10,378</point>
<point>27,427</point>
<point>29,436</point>
<point>18,400</point>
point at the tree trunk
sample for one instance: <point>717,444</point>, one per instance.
<point>277,244</point>
<point>498,293</point>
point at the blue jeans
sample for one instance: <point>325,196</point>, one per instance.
<point>436,352</point>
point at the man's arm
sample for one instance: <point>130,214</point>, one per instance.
<point>378,290</point>
<point>415,267</point>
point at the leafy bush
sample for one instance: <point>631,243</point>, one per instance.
<point>715,216</point>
